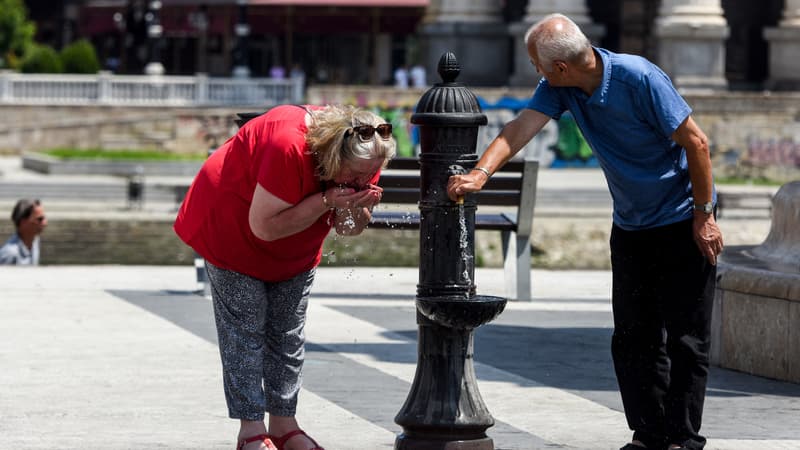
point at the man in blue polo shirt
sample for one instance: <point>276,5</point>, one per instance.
<point>664,238</point>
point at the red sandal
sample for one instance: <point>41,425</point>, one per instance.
<point>281,441</point>
<point>265,438</point>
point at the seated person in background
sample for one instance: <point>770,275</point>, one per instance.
<point>22,248</point>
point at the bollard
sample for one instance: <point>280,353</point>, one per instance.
<point>444,409</point>
<point>136,188</point>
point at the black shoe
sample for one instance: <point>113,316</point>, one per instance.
<point>632,447</point>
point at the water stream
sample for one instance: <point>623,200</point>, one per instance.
<point>463,242</point>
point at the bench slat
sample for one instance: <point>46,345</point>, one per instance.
<point>753,201</point>
<point>399,163</point>
<point>410,221</point>
<point>409,179</point>
<point>410,196</point>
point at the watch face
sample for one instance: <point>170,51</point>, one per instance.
<point>707,208</point>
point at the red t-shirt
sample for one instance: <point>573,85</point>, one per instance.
<point>271,150</point>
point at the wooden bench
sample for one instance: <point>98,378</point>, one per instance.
<point>750,201</point>
<point>514,186</point>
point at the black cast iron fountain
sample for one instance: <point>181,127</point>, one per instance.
<point>444,409</point>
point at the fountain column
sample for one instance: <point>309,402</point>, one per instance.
<point>444,409</point>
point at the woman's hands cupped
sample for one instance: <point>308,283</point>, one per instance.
<point>348,198</point>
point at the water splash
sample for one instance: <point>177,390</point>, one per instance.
<point>349,221</point>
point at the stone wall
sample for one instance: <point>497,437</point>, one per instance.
<point>151,241</point>
<point>99,241</point>
<point>178,130</point>
<point>752,135</point>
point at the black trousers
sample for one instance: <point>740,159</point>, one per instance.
<point>663,292</point>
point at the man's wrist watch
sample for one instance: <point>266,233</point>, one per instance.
<point>707,208</point>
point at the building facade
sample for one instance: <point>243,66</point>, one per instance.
<point>704,44</point>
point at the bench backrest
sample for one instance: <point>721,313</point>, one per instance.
<point>783,242</point>
<point>513,185</point>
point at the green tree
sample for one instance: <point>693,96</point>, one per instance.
<point>16,32</point>
<point>40,59</point>
<point>80,57</point>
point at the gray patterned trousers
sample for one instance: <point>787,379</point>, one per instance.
<point>261,340</point>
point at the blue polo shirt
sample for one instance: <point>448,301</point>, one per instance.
<point>628,121</point>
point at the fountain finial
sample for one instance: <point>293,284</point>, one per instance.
<point>448,67</point>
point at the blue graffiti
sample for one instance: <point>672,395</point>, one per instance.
<point>559,144</point>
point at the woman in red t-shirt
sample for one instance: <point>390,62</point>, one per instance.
<point>258,212</point>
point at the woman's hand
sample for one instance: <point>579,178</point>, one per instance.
<point>354,208</point>
<point>341,197</point>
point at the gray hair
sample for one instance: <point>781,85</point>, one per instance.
<point>566,43</point>
<point>330,137</point>
<point>23,209</point>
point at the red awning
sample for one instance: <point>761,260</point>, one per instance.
<point>387,3</point>
<point>363,3</point>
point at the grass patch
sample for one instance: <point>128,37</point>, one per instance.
<point>121,155</point>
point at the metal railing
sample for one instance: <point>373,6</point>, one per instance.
<point>106,88</point>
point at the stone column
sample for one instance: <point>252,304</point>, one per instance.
<point>154,35</point>
<point>691,36</point>
<point>475,31</point>
<point>524,72</point>
<point>241,58</point>
<point>784,40</point>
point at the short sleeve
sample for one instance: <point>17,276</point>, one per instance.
<point>663,107</point>
<point>282,166</point>
<point>546,100</point>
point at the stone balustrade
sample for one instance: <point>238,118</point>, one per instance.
<point>105,88</point>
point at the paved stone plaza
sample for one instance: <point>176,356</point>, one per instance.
<point>125,357</point>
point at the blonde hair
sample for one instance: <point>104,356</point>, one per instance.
<point>326,139</point>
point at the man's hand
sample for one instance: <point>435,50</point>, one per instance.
<point>707,236</point>
<point>459,185</point>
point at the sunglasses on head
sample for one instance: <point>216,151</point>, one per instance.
<point>365,132</point>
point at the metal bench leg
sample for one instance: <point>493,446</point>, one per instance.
<point>203,286</point>
<point>517,266</point>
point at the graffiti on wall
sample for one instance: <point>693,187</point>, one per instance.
<point>772,158</point>
<point>559,144</point>
<point>776,152</point>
